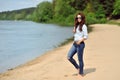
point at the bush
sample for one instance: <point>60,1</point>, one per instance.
<point>103,20</point>
<point>44,12</point>
<point>90,18</point>
<point>70,20</point>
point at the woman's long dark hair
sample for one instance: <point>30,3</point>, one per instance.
<point>76,23</point>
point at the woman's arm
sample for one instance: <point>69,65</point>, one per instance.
<point>82,40</point>
<point>85,34</point>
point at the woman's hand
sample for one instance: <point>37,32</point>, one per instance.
<point>74,30</point>
<point>78,42</point>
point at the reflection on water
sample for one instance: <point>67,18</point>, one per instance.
<point>21,41</point>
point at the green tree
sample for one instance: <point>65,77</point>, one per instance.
<point>78,4</point>
<point>116,10</point>
<point>18,16</point>
<point>108,6</point>
<point>62,11</point>
<point>43,12</point>
<point>63,8</point>
<point>100,13</point>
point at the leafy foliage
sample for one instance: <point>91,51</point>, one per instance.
<point>63,11</point>
<point>17,14</point>
<point>43,12</point>
<point>116,11</point>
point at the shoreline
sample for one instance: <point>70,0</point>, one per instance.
<point>13,53</point>
<point>53,65</point>
<point>67,41</point>
<point>45,54</point>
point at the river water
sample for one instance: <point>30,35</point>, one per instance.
<point>22,41</point>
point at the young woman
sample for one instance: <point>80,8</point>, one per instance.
<point>80,35</point>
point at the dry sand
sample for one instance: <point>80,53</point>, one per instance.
<point>101,58</point>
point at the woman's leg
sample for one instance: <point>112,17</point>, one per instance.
<point>80,50</point>
<point>71,53</point>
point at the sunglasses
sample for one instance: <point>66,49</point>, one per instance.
<point>78,17</point>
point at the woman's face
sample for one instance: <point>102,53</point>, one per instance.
<point>79,18</point>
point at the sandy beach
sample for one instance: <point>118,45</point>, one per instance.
<point>101,59</point>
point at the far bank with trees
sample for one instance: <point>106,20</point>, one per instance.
<point>63,11</point>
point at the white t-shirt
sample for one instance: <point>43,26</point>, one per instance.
<point>81,34</point>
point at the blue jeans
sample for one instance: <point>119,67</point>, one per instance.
<point>79,50</point>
